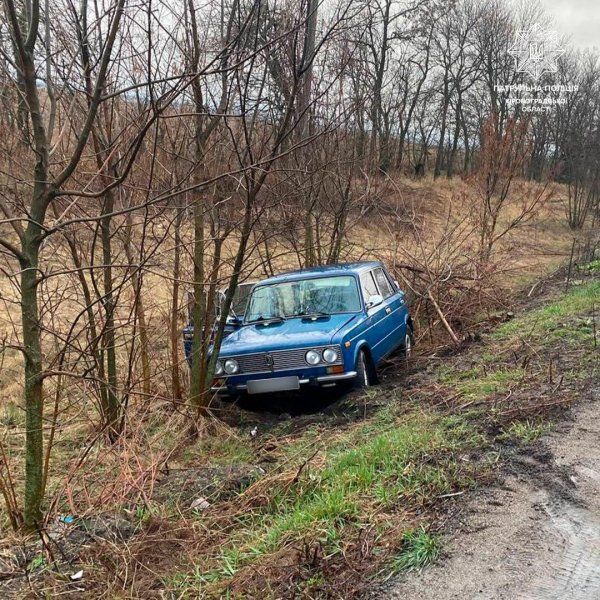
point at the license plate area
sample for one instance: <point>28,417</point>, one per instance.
<point>275,384</point>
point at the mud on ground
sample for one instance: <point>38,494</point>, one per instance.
<point>534,536</point>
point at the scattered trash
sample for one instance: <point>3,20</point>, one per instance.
<point>77,576</point>
<point>66,519</point>
<point>200,504</point>
<point>254,431</point>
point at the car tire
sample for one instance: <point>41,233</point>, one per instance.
<point>407,344</point>
<point>365,372</point>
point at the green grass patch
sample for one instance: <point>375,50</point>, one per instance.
<point>526,431</point>
<point>37,562</point>
<point>478,383</point>
<point>370,471</point>
<point>419,549</point>
<point>549,320</point>
<point>593,267</point>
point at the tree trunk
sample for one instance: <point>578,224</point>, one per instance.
<point>175,339</point>
<point>108,343</point>
<point>31,241</point>
<point>439,158</point>
<point>304,125</point>
<point>467,157</point>
<point>140,315</point>
<point>452,157</point>
<point>197,375</point>
<point>34,401</point>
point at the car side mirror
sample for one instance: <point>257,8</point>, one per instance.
<point>397,285</point>
<point>235,321</point>
<point>374,300</point>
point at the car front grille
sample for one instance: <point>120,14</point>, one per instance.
<point>253,363</point>
<point>281,360</point>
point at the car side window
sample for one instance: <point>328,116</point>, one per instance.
<point>367,283</point>
<point>383,283</point>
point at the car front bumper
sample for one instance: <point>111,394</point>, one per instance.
<point>319,380</point>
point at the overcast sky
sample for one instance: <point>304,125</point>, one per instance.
<point>577,19</point>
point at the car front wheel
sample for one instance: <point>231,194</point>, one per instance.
<point>364,378</point>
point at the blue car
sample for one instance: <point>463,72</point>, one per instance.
<point>321,326</point>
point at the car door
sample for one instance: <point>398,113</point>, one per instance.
<point>392,326</point>
<point>375,314</point>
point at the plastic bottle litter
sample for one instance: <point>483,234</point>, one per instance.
<point>200,504</point>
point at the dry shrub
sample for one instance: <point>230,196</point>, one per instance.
<point>456,252</point>
<point>134,568</point>
<point>110,476</point>
<point>260,493</point>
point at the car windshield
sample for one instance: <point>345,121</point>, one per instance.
<point>305,297</point>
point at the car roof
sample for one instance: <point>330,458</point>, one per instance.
<point>352,268</point>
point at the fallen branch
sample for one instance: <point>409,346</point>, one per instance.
<point>443,318</point>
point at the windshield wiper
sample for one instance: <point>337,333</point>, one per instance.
<point>313,313</point>
<point>260,320</point>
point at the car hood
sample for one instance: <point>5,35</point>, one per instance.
<point>285,335</point>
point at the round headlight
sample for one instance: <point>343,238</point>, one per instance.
<point>219,368</point>
<point>312,357</point>
<point>330,355</point>
<point>231,366</point>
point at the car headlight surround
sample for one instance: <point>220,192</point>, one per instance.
<point>219,368</point>
<point>330,355</point>
<point>231,366</point>
<point>312,357</point>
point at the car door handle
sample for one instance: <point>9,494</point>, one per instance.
<point>388,310</point>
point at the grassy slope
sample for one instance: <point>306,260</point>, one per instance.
<point>372,475</point>
<point>355,494</point>
<point>382,480</point>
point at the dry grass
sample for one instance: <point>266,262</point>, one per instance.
<point>86,475</point>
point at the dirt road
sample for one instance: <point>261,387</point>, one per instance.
<point>537,537</point>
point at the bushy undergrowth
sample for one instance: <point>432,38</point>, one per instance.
<point>344,502</point>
